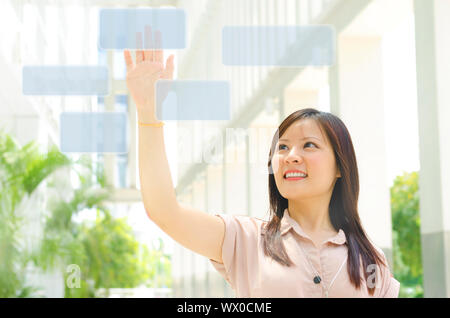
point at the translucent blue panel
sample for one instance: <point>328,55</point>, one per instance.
<point>101,103</point>
<point>192,100</point>
<point>279,45</point>
<point>121,103</point>
<point>65,80</point>
<point>93,132</point>
<point>159,29</point>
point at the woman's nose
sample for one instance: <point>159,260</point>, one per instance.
<point>293,156</point>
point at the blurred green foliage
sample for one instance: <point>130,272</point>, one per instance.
<point>103,247</point>
<point>22,169</point>
<point>406,235</point>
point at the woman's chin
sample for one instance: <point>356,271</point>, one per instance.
<point>294,195</point>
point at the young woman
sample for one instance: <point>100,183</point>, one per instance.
<point>313,245</point>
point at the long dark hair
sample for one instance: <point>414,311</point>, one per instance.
<point>343,210</point>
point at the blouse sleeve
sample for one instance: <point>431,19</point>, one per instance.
<point>390,287</point>
<point>239,244</point>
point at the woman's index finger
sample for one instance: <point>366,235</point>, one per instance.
<point>128,59</point>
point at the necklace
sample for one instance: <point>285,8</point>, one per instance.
<point>317,278</point>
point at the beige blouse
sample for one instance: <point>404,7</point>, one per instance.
<point>252,274</point>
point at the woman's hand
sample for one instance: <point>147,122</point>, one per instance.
<point>142,76</point>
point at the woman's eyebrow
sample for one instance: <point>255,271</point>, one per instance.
<point>284,139</point>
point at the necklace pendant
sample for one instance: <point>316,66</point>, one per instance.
<point>317,279</point>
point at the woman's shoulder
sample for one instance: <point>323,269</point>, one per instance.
<point>243,222</point>
<point>381,253</point>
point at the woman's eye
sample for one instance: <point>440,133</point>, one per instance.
<point>308,143</point>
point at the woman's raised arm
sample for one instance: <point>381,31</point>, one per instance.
<point>194,229</point>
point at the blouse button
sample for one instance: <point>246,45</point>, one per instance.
<point>317,279</point>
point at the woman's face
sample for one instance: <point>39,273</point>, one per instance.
<point>303,147</point>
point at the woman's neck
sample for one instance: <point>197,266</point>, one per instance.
<point>312,215</point>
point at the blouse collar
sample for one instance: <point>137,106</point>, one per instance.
<point>287,222</point>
